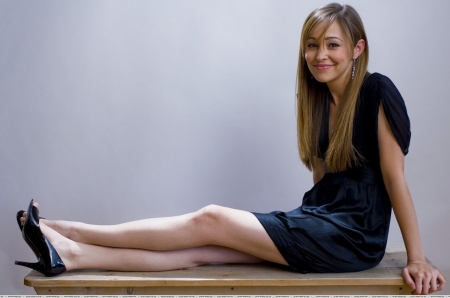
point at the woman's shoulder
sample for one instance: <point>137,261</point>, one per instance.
<point>377,81</point>
<point>378,88</point>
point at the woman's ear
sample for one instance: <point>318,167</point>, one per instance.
<point>359,48</point>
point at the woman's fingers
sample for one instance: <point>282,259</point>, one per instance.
<point>419,285</point>
<point>423,279</point>
<point>426,282</point>
<point>441,282</point>
<point>408,279</point>
<point>433,283</point>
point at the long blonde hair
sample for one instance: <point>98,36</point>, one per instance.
<point>313,95</point>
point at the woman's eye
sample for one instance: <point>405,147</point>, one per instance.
<point>333,45</point>
<point>312,45</point>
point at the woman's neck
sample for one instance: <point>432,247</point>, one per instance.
<point>337,89</point>
<point>337,96</point>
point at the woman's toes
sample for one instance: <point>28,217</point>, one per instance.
<point>22,219</point>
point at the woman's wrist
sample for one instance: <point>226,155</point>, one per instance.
<point>415,254</point>
<point>415,259</point>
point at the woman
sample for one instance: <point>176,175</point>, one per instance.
<point>353,132</point>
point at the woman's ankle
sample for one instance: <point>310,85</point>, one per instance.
<point>65,228</point>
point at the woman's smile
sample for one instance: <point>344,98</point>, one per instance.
<point>323,66</point>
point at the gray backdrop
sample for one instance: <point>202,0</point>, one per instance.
<point>113,111</point>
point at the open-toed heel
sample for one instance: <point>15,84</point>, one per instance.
<point>49,262</point>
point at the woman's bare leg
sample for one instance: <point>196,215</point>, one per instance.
<point>86,256</point>
<point>212,225</point>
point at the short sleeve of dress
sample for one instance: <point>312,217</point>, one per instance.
<point>395,111</point>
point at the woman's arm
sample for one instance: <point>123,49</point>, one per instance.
<point>418,274</point>
<point>319,169</point>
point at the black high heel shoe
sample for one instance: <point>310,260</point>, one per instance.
<point>50,263</point>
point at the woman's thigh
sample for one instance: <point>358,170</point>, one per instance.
<point>236,229</point>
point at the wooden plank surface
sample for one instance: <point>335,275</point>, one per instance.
<point>386,273</point>
<point>229,279</point>
<point>232,290</point>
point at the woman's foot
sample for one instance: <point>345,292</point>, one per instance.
<point>66,248</point>
<point>50,263</point>
<point>21,215</point>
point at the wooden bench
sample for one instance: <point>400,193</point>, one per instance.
<point>255,279</point>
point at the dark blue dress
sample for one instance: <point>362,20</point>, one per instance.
<point>343,222</point>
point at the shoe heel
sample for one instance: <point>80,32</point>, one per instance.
<point>34,266</point>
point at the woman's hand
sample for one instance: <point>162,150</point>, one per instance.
<point>422,278</point>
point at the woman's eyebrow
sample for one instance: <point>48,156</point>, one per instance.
<point>333,37</point>
<point>326,38</point>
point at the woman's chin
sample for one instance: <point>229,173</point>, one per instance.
<point>321,79</point>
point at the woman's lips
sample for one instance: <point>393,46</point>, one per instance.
<point>322,66</point>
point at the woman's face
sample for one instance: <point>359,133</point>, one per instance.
<point>329,55</point>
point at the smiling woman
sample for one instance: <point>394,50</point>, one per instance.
<point>329,56</point>
<point>353,133</point>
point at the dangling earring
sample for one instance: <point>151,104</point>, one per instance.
<point>353,69</point>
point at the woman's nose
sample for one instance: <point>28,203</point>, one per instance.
<point>321,53</point>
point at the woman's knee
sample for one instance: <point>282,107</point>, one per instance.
<point>208,220</point>
<point>210,214</point>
